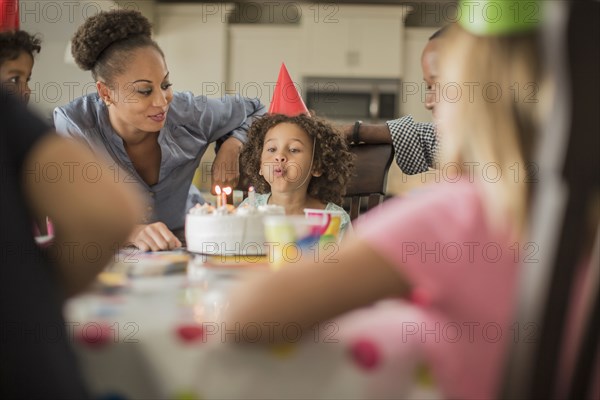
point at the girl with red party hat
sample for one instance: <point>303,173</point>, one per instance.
<point>295,160</point>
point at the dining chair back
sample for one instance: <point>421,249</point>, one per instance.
<point>367,186</point>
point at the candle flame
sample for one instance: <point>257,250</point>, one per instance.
<point>218,189</point>
<point>227,190</point>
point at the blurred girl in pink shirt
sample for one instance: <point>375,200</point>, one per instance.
<point>453,250</point>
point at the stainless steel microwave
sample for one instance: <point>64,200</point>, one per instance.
<point>351,99</point>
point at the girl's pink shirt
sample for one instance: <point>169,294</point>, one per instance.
<point>463,276</point>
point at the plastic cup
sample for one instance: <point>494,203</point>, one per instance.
<point>329,222</point>
<point>288,238</point>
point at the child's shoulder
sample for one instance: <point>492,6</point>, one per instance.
<point>335,207</point>
<point>262,198</point>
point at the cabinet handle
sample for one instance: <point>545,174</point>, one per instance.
<point>352,58</point>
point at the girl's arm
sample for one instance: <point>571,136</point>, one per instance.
<point>307,292</point>
<point>226,166</point>
<point>98,214</point>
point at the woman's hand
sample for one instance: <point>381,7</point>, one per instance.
<point>226,167</point>
<point>154,237</point>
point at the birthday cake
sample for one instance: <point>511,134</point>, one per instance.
<point>223,231</point>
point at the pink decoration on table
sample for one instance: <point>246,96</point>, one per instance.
<point>365,353</point>
<point>94,334</point>
<point>190,333</point>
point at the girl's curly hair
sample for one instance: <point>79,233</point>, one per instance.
<point>104,40</point>
<point>331,156</point>
<point>13,43</point>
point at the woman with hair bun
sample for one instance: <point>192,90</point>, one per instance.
<point>157,135</point>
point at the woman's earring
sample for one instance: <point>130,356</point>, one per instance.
<point>107,102</point>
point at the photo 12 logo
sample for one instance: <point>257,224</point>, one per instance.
<point>269,332</point>
<point>289,12</point>
<point>56,12</point>
<point>91,332</point>
<point>468,331</point>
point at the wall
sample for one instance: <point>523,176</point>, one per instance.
<point>55,82</point>
<point>194,43</point>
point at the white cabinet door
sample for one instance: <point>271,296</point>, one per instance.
<point>195,46</point>
<point>378,45</point>
<point>355,41</point>
<point>328,48</point>
<point>255,56</point>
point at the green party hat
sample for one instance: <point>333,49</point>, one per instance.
<point>499,17</point>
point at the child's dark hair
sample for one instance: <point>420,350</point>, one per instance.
<point>103,42</point>
<point>331,156</point>
<point>13,43</point>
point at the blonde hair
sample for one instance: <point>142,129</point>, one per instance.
<point>494,122</point>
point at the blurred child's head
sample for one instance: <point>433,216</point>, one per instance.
<point>429,66</point>
<point>488,114</point>
<point>287,154</point>
<point>16,61</point>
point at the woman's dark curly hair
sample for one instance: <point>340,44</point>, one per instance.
<point>101,44</point>
<point>13,43</point>
<point>332,157</point>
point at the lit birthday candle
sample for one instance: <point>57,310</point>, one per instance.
<point>218,192</point>
<point>226,192</point>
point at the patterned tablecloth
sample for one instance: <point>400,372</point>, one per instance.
<point>155,337</point>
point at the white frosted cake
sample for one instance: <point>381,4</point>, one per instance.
<point>236,232</point>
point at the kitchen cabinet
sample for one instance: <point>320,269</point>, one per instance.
<point>330,41</point>
<point>194,40</point>
<point>256,53</point>
<point>354,41</point>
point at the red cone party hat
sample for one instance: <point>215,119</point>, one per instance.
<point>286,99</point>
<point>9,15</point>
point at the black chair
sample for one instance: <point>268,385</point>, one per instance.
<point>367,185</point>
